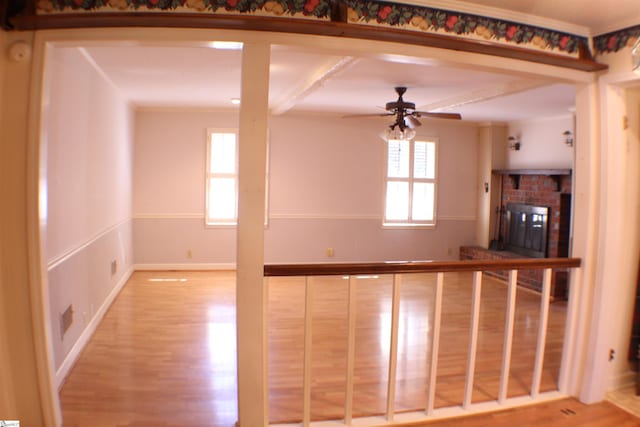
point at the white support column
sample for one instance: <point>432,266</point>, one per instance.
<point>584,231</point>
<point>26,362</point>
<point>251,295</point>
<point>615,261</point>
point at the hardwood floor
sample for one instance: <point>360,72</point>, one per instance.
<point>164,355</point>
<point>559,413</point>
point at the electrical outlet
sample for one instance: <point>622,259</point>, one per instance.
<point>612,355</point>
<point>114,267</point>
<point>189,254</point>
<point>329,252</point>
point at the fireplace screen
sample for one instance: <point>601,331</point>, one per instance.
<point>527,229</point>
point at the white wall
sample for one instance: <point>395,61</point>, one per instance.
<point>325,190</point>
<point>542,145</point>
<point>88,141</point>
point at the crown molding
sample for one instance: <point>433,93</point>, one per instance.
<point>508,15</point>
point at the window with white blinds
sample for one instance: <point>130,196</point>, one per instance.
<point>410,183</point>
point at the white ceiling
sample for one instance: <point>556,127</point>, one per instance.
<point>597,16</point>
<point>314,81</point>
<point>310,81</point>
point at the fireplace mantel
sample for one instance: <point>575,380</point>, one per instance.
<point>515,174</point>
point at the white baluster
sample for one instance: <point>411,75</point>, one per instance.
<point>393,350</point>
<point>308,339</point>
<point>351,350</point>
<point>542,332</point>
<point>435,343</point>
<point>508,335</point>
<point>473,341</point>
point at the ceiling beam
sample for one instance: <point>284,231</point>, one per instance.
<point>484,94</point>
<point>314,81</point>
<point>303,26</point>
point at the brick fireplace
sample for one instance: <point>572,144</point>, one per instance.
<point>534,191</point>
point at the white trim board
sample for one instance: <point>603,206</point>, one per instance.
<point>621,380</point>
<point>85,336</point>
<point>306,216</point>
<point>53,263</point>
<point>185,267</point>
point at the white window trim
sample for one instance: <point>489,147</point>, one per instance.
<point>208,174</point>
<point>411,224</point>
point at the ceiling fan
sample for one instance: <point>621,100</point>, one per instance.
<point>406,116</point>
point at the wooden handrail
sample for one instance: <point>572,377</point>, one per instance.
<point>392,267</point>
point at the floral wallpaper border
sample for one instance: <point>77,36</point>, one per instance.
<point>616,40</point>
<point>463,24</point>
<point>363,12</point>
<point>319,9</point>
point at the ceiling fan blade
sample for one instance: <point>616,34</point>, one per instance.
<point>349,116</point>
<point>412,122</point>
<point>453,116</point>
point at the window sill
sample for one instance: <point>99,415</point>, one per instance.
<point>221,225</point>
<point>406,226</point>
<point>227,226</point>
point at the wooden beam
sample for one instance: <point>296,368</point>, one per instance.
<point>299,26</point>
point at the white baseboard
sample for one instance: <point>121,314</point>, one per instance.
<point>85,336</point>
<point>187,266</point>
<point>622,380</point>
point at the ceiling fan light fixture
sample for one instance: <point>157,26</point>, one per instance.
<point>397,134</point>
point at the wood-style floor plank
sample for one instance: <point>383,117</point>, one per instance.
<point>559,413</point>
<point>164,355</point>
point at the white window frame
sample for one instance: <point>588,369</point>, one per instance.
<point>411,180</point>
<point>220,222</point>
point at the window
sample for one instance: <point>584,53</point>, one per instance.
<point>222,178</point>
<point>410,183</point>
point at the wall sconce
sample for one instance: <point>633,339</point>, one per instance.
<point>568,138</point>
<point>514,143</point>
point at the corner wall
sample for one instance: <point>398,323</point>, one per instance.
<point>87,126</point>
